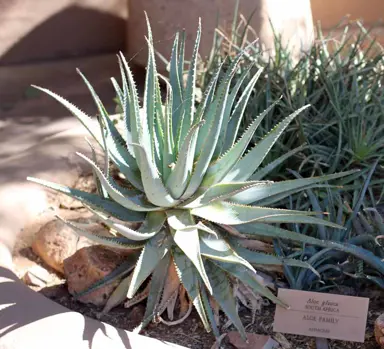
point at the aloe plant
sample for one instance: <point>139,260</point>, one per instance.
<point>188,179</point>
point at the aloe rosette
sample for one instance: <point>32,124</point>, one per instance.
<point>192,183</point>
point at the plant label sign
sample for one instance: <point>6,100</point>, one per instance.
<point>322,315</point>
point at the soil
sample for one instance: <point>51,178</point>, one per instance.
<point>191,333</point>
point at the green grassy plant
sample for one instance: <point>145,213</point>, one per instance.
<point>341,78</point>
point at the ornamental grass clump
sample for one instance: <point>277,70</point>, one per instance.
<point>341,77</point>
<point>361,237</point>
<point>189,181</point>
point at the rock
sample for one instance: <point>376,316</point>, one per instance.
<point>379,330</point>
<point>55,242</point>
<point>282,340</point>
<point>44,151</point>
<point>37,276</point>
<point>255,341</point>
<point>88,265</point>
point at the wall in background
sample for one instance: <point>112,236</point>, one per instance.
<point>370,12</point>
<point>329,12</point>
<point>41,30</point>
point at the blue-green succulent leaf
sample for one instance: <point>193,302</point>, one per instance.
<point>95,201</point>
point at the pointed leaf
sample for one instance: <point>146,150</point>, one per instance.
<point>152,182</point>
<point>245,276</point>
<point>232,214</point>
<point>187,240</point>
<point>155,291</point>
<point>260,229</point>
<point>243,170</point>
<point>218,104</point>
<point>169,155</point>
<point>189,95</point>
<point>206,101</point>
<point>94,201</point>
<point>222,292</point>
<point>263,258</point>
<point>119,242</point>
<point>190,279</point>
<point>135,203</point>
<point>114,143</point>
<point>209,145</point>
<point>85,119</point>
<point>261,173</point>
<point>221,191</point>
<point>209,312</point>
<point>126,102</point>
<point>119,92</point>
<point>220,168</point>
<point>230,102</point>
<point>151,226</point>
<point>180,174</point>
<point>238,113</point>
<point>135,115</point>
<point>181,60</point>
<point>149,94</point>
<point>153,252</point>
<point>175,95</point>
<point>255,194</point>
<point>100,190</point>
<point>219,249</point>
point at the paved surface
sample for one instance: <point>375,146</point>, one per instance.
<point>38,137</point>
<point>41,148</point>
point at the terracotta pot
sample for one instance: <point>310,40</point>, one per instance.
<point>291,19</point>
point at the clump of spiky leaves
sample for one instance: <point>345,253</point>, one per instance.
<point>362,234</point>
<point>190,181</point>
<point>340,76</point>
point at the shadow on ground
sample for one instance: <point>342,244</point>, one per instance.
<point>31,307</point>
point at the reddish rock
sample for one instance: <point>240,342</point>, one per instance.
<point>55,242</point>
<point>88,265</point>
<point>379,330</point>
<point>254,341</point>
